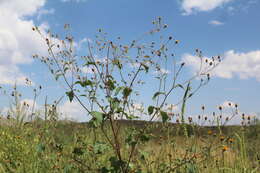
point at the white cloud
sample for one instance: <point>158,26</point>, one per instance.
<point>17,40</point>
<point>191,6</point>
<point>244,65</point>
<point>73,111</point>
<point>216,22</point>
<point>21,8</point>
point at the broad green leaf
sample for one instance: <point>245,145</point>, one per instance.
<point>98,116</point>
<point>70,94</point>
<point>150,110</point>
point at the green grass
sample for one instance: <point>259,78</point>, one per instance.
<point>76,147</point>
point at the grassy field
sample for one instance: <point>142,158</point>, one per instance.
<point>45,146</point>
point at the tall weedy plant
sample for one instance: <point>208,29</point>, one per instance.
<point>113,76</point>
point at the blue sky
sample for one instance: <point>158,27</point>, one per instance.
<point>229,28</point>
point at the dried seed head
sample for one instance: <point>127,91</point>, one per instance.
<point>210,132</point>
<point>231,140</point>
<point>225,148</point>
<point>190,119</point>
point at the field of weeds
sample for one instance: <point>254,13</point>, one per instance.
<point>76,147</point>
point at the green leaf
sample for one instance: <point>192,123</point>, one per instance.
<point>115,102</point>
<point>150,109</point>
<point>164,116</point>
<point>89,63</point>
<point>126,92</point>
<point>85,83</point>
<point>97,115</point>
<point>111,84</point>
<point>179,85</point>
<point>157,94</point>
<point>67,168</point>
<point>40,148</point>
<point>57,76</point>
<point>144,137</point>
<point>100,148</point>
<point>70,94</point>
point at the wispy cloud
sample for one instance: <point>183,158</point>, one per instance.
<point>216,23</point>
<point>192,6</point>
<point>43,12</point>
